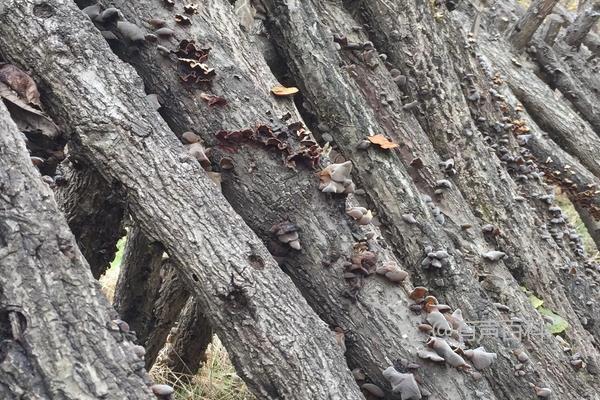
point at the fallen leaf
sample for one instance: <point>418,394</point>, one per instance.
<point>21,83</point>
<point>535,301</point>
<point>382,142</point>
<point>27,118</point>
<point>558,324</point>
<point>213,100</point>
<point>284,91</point>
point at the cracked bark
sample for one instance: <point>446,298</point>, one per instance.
<point>343,101</point>
<point>189,342</point>
<point>523,30</point>
<point>245,295</point>
<point>582,25</point>
<point>53,317</point>
<point>139,283</point>
<point>94,212</point>
<point>167,308</point>
<point>321,85</point>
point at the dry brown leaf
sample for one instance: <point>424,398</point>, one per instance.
<point>27,118</point>
<point>382,142</point>
<point>21,83</point>
<point>280,90</point>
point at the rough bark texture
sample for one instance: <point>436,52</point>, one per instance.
<point>167,307</point>
<point>55,324</point>
<point>582,25</point>
<point>248,299</point>
<point>435,62</point>
<point>139,283</point>
<point>405,69</point>
<point>552,27</point>
<point>94,212</point>
<point>265,192</point>
<point>193,335</point>
<point>523,30</point>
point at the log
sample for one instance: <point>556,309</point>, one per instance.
<point>266,193</point>
<point>331,85</point>
<point>591,40</point>
<point>552,27</point>
<point>187,350</point>
<point>236,280</point>
<point>58,340</point>
<point>139,282</point>
<point>558,75</point>
<point>94,212</point>
<point>522,31</point>
<point>582,25</point>
<point>167,307</point>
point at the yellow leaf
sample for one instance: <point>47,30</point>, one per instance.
<point>382,142</point>
<point>284,91</point>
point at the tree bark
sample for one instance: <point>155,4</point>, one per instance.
<point>166,311</point>
<point>58,340</point>
<point>247,298</point>
<point>582,25</point>
<point>151,298</point>
<point>139,282</point>
<point>523,30</point>
<point>420,56</point>
<point>188,348</point>
<point>94,212</point>
<point>552,28</point>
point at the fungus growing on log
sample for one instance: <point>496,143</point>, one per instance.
<point>287,232</point>
<point>429,355</point>
<point>392,272</point>
<point>403,384</point>
<point>480,358</point>
<point>436,259</point>
<point>360,214</point>
<point>162,392</point>
<point>494,255</point>
<point>130,31</point>
<point>443,349</point>
<point>335,178</point>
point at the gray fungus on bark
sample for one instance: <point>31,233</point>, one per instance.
<point>402,173</point>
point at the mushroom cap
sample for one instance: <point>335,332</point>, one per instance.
<point>373,389</point>
<point>402,383</point>
<point>542,392</point>
<point>439,323</point>
<point>288,237</point>
<point>480,358</point>
<point>162,390</point>
<point>494,255</point>
<point>418,293</point>
<point>366,219</point>
<point>197,151</point>
<point>429,355</point>
<point>333,187</point>
<point>443,349</point>
<point>396,275</point>
<point>295,244</point>
<point>341,172</point>
<point>130,31</point>
<point>139,351</point>
<point>356,212</point>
